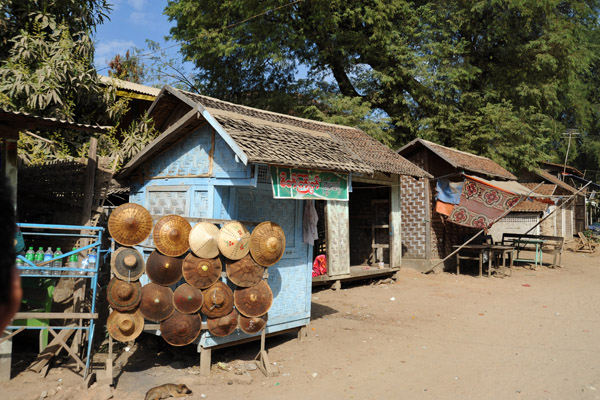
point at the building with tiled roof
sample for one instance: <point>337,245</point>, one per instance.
<point>442,156</point>
<point>427,237</point>
<point>219,160</point>
<point>570,216</point>
<point>259,136</point>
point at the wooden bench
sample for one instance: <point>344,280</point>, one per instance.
<point>525,242</point>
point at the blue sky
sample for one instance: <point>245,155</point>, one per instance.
<point>131,23</point>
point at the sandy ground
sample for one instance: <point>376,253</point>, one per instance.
<point>534,335</point>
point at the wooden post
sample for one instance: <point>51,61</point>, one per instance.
<point>86,218</point>
<point>205,361</point>
<point>396,225</point>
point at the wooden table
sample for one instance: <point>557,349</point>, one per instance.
<point>493,250</point>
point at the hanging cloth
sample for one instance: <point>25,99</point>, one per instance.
<point>481,204</point>
<point>309,223</point>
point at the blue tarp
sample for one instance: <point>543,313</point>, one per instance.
<point>448,192</point>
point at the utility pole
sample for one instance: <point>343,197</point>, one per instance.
<point>569,132</point>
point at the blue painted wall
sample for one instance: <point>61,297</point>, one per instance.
<point>230,193</point>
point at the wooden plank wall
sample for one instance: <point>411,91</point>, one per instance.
<point>338,237</point>
<point>396,225</point>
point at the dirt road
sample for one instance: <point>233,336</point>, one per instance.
<point>535,335</point>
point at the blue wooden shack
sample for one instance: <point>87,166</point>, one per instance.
<point>214,160</point>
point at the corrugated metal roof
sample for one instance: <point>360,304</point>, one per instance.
<point>130,86</point>
<point>460,159</point>
<point>36,121</point>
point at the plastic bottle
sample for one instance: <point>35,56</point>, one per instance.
<point>84,265</point>
<point>30,255</point>
<point>48,255</point>
<point>20,263</point>
<point>57,263</point>
<point>39,258</point>
<point>92,259</point>
<point>74,260</point>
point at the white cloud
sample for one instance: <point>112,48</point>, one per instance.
<point>137,5</point>
<point>105,51</point>
<point>139,18</point>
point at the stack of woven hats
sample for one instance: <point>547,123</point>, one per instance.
<point>129,225</point>
<point>205,291</point>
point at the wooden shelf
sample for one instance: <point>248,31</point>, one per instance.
<point>380,246</point>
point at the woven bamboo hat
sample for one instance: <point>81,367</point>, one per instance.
<point>223,326</point>
<point>201,272</point>
<point>252,325</point>
<point>163,270</point>
<point>123,295</point>
<point>125,326</point>
<point>127,264</point>
<point>255,300</point>
<point>157,302</point>
<point>181,329</point>
<point>267,243</point>
<point>218,300</point>
<point>245,272</point>
<point>171,235</point>
<point>233,240</point>
<point>187,299</point>
<point>203,240</point>
<point>129,224</point>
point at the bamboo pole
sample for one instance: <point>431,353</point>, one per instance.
<point>481,231</point>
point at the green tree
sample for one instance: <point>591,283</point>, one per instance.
<point>48,71</point>
<point>16,16</point>
<point>502,78</point>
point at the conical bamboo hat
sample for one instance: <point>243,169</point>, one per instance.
<point>203,240</point>
<point>127,264</point>
<point>171,235</point>
<point>187,299</point>
<point>181,329</point>
<point>253,301</point>
<point>245,272</point>
<point>164,270</point>
<point>223,326</point>
<point>129,224</point>
<point>267,243</point>
<point>218,300</point>
<point>201,272</point>
<point>125,326</point>
<point>233,240</point>
<point>252,325</point>
<point>157,302</point>
<point>123,295</point>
